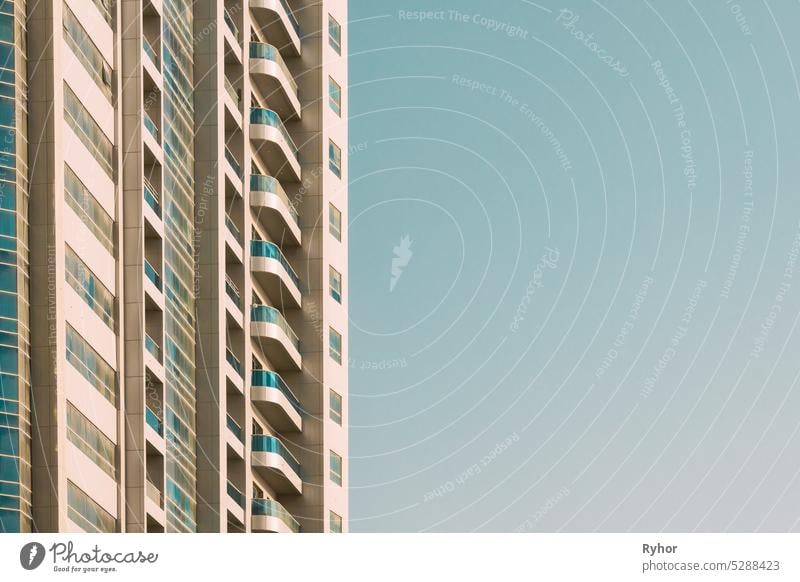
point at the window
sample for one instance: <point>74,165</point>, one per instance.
<point>87,130</point>
<point>335,96</point>
<point>86,513</point>
<point>86,51</point>
<point>335,407</point>
<point>335,280</point>
<point>105,7</point>
<point>335,34</point>
<point>89,287</point>
<point>336,468</point>
<point>82,433</point>
<point>88,209</point>
<point>335,158</point>
<point>91,366</point>
<point>335,222</point>
<point>335,343</point>
<point>335,522</point>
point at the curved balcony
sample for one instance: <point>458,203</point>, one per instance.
<point>277,340</point>
<point>279,468</point>
<point>274,79</point>
<point>276,401</point>
<point>278,23</point>
<point>275,212</point>
<point>274,273</point>
<point>271,516</point>
<point>276,146</point>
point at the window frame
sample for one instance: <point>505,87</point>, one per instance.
<point>335,103</point>
<point>334,353</point>
<point>336,416</point>
<point>335,276</point>
<point>334,517</point>
<point>334,158</point>
<point>334,41</point>
<point>337,231</point>
<point>335,477</point>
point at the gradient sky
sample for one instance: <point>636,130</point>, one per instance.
<point>592,327</point>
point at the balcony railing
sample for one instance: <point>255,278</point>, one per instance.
<point>262,50</point>
<point>232,91</point>
<point>233,292</point>
<point>226,16</point>
<point>237,167</point>
<point>268,314</point>
<point>152,274</point>
<point>268,250</point>
<point>261,116</point>
<point>271,508</point>
<point>270,379</point>
<point>234,427</point>
<point>151,126</point>
<point>262,183</point>
<point>151,418</point>
<point>105,7</point>
<point>234,362</point>
<point>150,51</point>
<point>269,444</point>
<point>151,197</point>
<point>292,18</point>
<point>154,493</point>
<point>152,347</point>
<point>235,494</point>
<point>237,234</point>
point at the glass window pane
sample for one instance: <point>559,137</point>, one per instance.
<point>336,407</point>
<point>335,280</point>
<point>334,96</point>
<point>336,468</point>
<point>335,220</point>
<point>335,522</point>
<point>335,159</point>
<point>335,342</point>
<point>334,34</point>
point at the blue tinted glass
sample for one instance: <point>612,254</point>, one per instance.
<point>10,244</point>
<point>9,502</point>
<point>9,488</point>
<point>8,195</point>
<point>7,56</point>
<point>8,278</point>
<point>7,28</point>
<point>8,139</point>
<point>6,104</point>
<point>9,469</point>
<point>8,387</point>
<point>9,521</point>
<point>8,360</point>
<point>9,441</point>
<point>8,308</point>
<point>8,223</point>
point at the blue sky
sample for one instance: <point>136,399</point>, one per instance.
<point>574,233</point>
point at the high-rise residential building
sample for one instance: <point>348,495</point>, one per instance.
<point>173,270</point>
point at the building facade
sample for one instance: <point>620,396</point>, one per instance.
<point>174,196</point>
